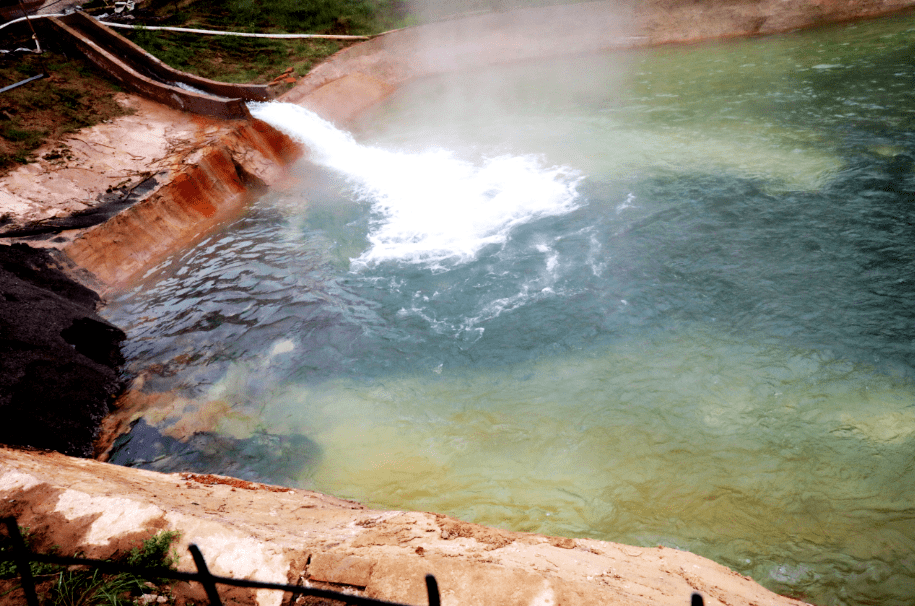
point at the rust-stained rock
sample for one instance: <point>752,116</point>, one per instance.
<point>273,534</point>
<point>194,172</point>
<point>73,174</point>
<point>213,186</point>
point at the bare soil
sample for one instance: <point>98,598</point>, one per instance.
<point>71,96</point>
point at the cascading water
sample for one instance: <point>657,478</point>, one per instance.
<point>675,310</point>
<point>473,207</point>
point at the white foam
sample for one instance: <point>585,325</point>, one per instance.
<point>431,208</point>
<point>629,203</point>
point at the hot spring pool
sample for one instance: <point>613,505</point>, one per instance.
<point>655,297</point>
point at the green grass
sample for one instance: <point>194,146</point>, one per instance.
<point>234,59</point>
<point>28,137</point>
<point>81,587</point>
<point>92,588</point>
<point>71,96</point>
<point>258,60</point>
<point>8,568</point>
<point>351,17</point>
<point>155,552</point>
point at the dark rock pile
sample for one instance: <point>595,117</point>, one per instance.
<point>59,360</point>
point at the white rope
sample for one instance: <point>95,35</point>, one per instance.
<point>211,32</point>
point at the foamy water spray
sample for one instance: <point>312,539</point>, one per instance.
<point>430,208</point>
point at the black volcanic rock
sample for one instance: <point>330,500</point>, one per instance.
<point>59,360</point>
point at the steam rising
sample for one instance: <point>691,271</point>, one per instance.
<point>502,31</point>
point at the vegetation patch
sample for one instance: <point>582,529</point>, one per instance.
<point>257,60</point>
<point>234,59</point>
<point>78,586</point>
<point>70,97</point>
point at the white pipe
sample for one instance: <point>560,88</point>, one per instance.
<point>202,31</point>
<point>30,17</point>
<point>211,32</point>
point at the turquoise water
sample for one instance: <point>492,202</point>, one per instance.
<point>656,297</point>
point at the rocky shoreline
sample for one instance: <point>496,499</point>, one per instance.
<point>282,535</point>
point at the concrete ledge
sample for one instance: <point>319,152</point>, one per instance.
<point>142,61</point>
<point>343,99</point>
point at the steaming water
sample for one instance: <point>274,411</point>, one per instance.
<point>660,297</point>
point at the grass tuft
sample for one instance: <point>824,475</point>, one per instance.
<point>8,568</point>
<point>155,552</point>
<point>71,96</point>
<point>82,587</point>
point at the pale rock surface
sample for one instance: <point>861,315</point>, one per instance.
<point>282,535</point>
<point>153,140</point>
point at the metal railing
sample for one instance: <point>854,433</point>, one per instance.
<point>23,557</point>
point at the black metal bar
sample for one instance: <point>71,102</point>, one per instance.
<point>432,589</point>
<point>697,600</point>
<point>21,557</point>
<point>21,82</point>
<point>206,579</point>
<point>194,577</point>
